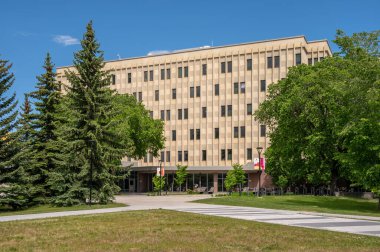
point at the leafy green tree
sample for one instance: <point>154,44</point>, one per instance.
<point>46,98</point>
<point>8,138</point>
<point>234,177</point>
<point>89,139</point>
<point>181,175</point>
<point>158,183</point>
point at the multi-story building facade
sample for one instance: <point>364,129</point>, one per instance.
<point>206,97</point>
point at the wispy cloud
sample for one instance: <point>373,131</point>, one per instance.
<point>65,40</point>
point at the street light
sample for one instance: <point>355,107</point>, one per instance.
<point>259,150</point>
<point>160,174</point>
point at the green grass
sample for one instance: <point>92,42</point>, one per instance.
<point>162,230</point>
<point>323,204</point>
<point>49,208</point>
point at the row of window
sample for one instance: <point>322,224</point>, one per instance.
<point>184,155</point>
<point>183,113</point>
<point>197,135</point>
<point>184,71</point>
<point>310,60</point>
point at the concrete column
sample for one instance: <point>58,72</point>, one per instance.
<point>215,182</point>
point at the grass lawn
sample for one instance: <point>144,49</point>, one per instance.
<point>49,208</point>
<point>163,230</point>
<point>323,204</point>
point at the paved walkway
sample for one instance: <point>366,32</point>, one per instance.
<point>340,223</point>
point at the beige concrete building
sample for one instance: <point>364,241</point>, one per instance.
<point>206,97</point>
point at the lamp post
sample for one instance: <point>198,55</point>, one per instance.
<point>259,150</point>
<point>160,175</point>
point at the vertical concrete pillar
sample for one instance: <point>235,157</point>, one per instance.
<point>215,182</point>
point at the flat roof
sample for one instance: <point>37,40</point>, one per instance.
<point>213,47</point>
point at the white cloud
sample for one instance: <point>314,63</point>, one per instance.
<point>156,52</point>
<point>65,40</point>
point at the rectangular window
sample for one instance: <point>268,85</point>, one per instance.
<point>242,131</point>
<point>236,88</point>
<point>179,156</point>
<point>140,96</point>
<point>113,79</point>
<point>198,91</point>
<point>276,61</point>
<point>229,154</point>
<point>242,87</point>
<point>191,92</point>
<point>223,154</point>
<point>186,71</point>
<point>174,135</point>
<point>179,72</point>
<point>129,77</point>
<point>315,60</point>
<point>204,69</point>
<point>223,111</point>
<point>204,112</point>
<point>185,155</point>
<point>145,76</point>
<point>168,73</point>
<point>151,75</point>
<point>223,67</point>
<point>151,114</point>
<point>229,66</point>
<point>174,93</point>
<point>198,134</point>
<point>146,158</point>
<point>236,132</point>
<point>310,61</point>
<point>162,115</point>
<point>204,155</point>
<point>216,89</point>
<point>135,95</point>
<point>249,109</point>
<point>191,134</point>
<point>185,113</point>
<point>167,156</point>
<point>179,114</point>
<point>162,156</point>
<point>156,95</point>
<point>249,64</point>
<point>162,74</point>
<point>321,58</point>
<point>263,130</point>
<point>168,115</point>
<point>270,62</point>
<point>249,153</point>
<point>216,133</point>
<point>298,59</point>
<point>150,157</point>
<point>263,85</point>
<point>229,110</point>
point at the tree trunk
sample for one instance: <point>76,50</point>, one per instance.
<point>334,178</point>
<point>378,205</point>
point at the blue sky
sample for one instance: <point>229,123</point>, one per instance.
<point>30,29</point>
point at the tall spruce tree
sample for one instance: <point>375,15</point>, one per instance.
<point>93,149</point>
<point>46,98</point>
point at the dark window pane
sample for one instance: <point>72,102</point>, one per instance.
<point>242,87</point>
<point>216,133</point>
<point>191,134</point>
<point>168,73</point>
<point>168,115</point>
<point>151,114</point>
<point>198,134</point>
<point>249,109</point>
<point>310,61</point>
<point>140,96</point>
<point>174,135</point>
<point>298,59</point>
<point>162,115</point>
<point>129,77</point>
<point>315,60</point>
<point>167,156</point>
<point>174,93</point>
<point>229,154</point>
<point>263,85</point>
<point>263,129</point>
<point>249,153</point>
<point>204,155</point>
<point>179,72</point>
<point>198,91</point>
<point>162,156</point>
<point>229,66</point>
<point>179,156</point>
<point>145,75</point>
<point>185,155</point>
<point>113,79</point>
<point>236,88</point>
<point>204,69</point>
<point>186,71</point>
<point>236,132</point>
<point>191,92</point>
<point>156,95</point>
<point>249,64</point>
<point>223,67</point>
<point>223,110</point>
<point>204,112</point>
<point>321,58</point>
<point>223,154</point>
<point>229,110</point>
<point>216,89</point>
<point>185,113</point>
<point>151,75</point>
<point>270,62</point>
<point>162,74</point>
<point>276,61</point>
<point>179,114</point>
<point>242,131</point>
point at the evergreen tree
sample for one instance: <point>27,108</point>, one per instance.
<point>93,149</point>
<point>8,122</point>
<point>46,97</point>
